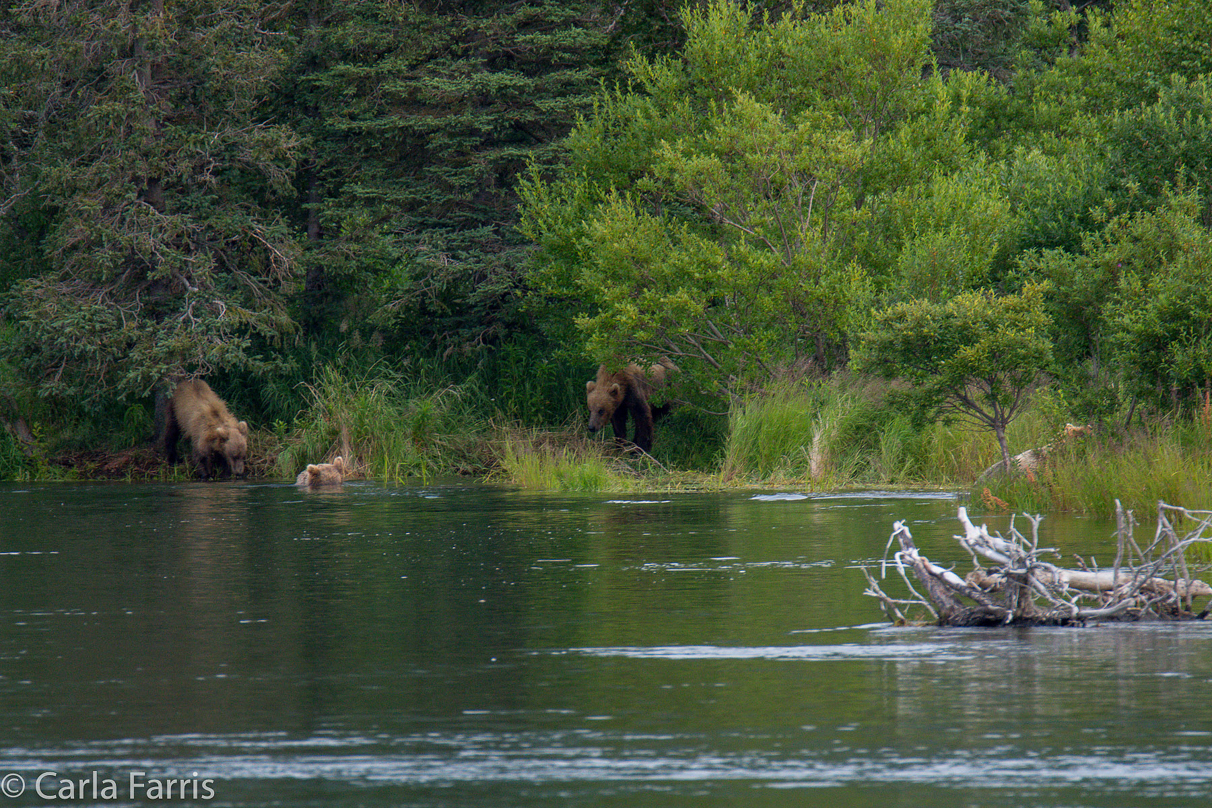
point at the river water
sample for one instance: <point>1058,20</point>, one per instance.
<point>460,645</point>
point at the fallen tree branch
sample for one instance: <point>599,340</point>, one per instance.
<point>1012,584</point>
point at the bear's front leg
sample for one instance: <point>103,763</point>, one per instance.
<point>619,421</point>
<point>641,414</point>
<point>202,462</point>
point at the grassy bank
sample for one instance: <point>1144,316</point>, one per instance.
<point>396,429</point>
<point>1170,462</point>
<point>843,434</point>
<point>807,435</point>
<point>814,436</point>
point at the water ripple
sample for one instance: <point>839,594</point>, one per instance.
<point>564,757</point>
<point>937,652</point>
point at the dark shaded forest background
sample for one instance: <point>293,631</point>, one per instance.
<point>483,200</point>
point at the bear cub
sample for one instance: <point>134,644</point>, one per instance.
<point>613,396</point>
<point>320,475</point>
<point>218,440</point>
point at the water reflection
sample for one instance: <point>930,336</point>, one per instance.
<point>478,646</point>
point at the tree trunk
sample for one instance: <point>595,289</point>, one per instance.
<point>1000,431</point>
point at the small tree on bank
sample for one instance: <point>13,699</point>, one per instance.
<point>976,357</point>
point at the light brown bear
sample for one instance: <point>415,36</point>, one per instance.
<point>322,475</point>
<point>614,396</point>
<point>219,441</point>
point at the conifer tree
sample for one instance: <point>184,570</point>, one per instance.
<point>419,117</point>
<point>137,179</point>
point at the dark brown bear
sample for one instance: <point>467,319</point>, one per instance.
<point>614,396</point>
<point>323,475</point>
<point>219,441</point>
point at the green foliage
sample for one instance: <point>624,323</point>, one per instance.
<point>533,460</point>
<point>14,465</point>
<point>847,431</point>
<point>979,34</point>
<point>154,253</point>
<point>417,120</point>
<point>377,424</point>
<point>975,357</point>
<point>703,210</point>
<point>1149,42</point>
<point>1135,302</point>
<point>526,380</point>
<point>1161,146</point>
<point>948,234</point>
<point>1161,316</point>
<point>318,203</point>
<point>690,438</point>
<point>826,434</point>
<point>1131,54</point>
<point>1171,463</point>
<point>771,434</point>
<point>1055,190</point>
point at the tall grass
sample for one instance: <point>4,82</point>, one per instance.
<point>1167,462</point>
<point>383,424</point>
<point>841,432</point>
<point>557,461</point>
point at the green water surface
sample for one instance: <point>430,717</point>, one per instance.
<point>462,645</point>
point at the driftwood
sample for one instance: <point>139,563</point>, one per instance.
<point>1032,462</point>
<point>1012,584</point>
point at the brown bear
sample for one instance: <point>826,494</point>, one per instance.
<point>614,396</point>
<point>219,441</point>
<point>321,475</point>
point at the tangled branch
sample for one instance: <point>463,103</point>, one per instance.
<point>1011,583</point>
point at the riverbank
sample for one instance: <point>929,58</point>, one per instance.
<point>809,436</point>
<point>1138,468</point>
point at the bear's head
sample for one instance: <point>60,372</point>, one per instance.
<point>232,444</point>
<point>603,399</point>
<point>322,474</point>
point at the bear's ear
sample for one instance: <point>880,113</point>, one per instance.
<point>220,434</point>
<point>589,386</point>
<point>339,462</point>
<point>616,391</point>
<point>243,427</point>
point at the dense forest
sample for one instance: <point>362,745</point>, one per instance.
<point>415,229</point>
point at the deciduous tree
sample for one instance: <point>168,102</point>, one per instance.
<point>977,356</point>
<point>706,209</point>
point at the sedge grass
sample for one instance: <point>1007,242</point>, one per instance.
<point>1171,464</point>
<point>565,461</point>
<point>381,425</point>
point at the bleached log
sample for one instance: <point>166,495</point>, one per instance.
<point>1010,588</point>
<point>1108,581</point>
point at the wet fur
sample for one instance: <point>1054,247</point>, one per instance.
<point>614,396</point>
<point>219,442</point>
<point>320,475</point>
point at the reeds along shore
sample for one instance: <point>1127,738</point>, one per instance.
<point>811,435</point>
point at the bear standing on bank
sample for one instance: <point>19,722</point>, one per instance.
<point>614,396</point>
<point>219,441</point>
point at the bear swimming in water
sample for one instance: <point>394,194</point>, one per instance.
<point>320,475</point>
